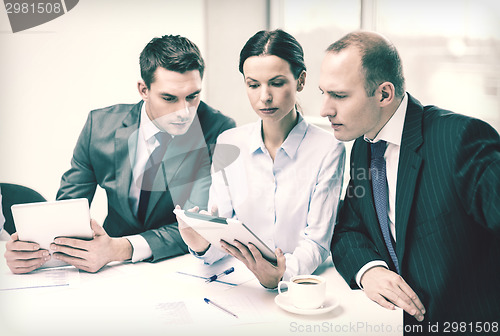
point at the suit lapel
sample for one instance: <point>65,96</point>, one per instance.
<point>125,149</point>
<point>408,170</point>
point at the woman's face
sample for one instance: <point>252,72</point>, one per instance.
<point>271,87</point>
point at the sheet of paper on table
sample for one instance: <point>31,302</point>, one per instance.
<point>42,278</point>
<point>196,311</point>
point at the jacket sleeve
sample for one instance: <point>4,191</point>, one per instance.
<point>478,173</point>
<point>80,180</point>
<point>352,247</point>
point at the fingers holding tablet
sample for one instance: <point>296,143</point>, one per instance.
<point>24,257</point>
<point>192,238</point>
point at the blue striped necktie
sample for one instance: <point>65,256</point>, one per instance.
<point>380,194</point>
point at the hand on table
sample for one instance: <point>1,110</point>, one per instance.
<point>24,257</point>
<point>91,255</point>
<point>388,289</point>
<point>269,275</point>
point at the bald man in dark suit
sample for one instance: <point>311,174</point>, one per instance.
<point>420,224</point>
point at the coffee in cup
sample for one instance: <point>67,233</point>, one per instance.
<point>305,291</point>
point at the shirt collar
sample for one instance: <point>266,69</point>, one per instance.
<point>291,143</point>
<point>148,128</point>
<point>393,129</point>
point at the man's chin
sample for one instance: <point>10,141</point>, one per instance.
<point>341,136</point>
<point>176,129</point>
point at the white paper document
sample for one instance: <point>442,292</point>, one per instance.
<point>237,309</point>
<point>50,277</point>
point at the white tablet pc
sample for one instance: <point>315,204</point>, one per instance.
<point>42,222</point>
<point>215,229</point>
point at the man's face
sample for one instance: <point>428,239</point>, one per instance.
<point>348,108</point>
<point>172,100</point>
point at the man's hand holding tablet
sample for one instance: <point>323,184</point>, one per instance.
<point>91,255</point>
<point>60,233</point>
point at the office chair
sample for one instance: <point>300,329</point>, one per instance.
<point>16,194</point>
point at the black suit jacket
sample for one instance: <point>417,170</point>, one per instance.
<point>104,155</point>
<point>447,215</point>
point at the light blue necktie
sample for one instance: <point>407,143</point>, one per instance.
<point>380,194</point>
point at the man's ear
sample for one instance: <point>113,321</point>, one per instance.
<point>143,90</point>
<point>386,93</point>
<point>301,81</point>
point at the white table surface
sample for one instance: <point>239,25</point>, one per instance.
<point>127,299</point>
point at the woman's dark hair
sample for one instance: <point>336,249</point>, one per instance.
<point>278,43</point>
<point>172,52</point>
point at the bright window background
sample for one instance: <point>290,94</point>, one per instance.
<point>450,49</point>
<point>316,24</point>
<point>450,52</point>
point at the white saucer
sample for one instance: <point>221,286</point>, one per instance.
<point>283,300</point>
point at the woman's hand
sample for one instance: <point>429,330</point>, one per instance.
<point>192,238</point>
<point>269,275</point>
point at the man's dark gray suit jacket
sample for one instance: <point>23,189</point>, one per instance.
<point>104,155</point>
<point>447,216</point>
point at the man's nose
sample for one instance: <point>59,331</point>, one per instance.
<point>184,111</point>
<point>328,108</point>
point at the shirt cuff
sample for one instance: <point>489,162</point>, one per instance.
<point>140,248</point>
<point>365,268</point>
<point>210,256</point>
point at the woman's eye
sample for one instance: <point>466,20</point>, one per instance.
<point>278,84</point>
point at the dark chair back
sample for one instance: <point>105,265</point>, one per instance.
<point>16,194</point>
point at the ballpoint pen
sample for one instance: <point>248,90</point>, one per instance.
<point>217,276</point>
<point>208,301</point>
<point>202,277</point>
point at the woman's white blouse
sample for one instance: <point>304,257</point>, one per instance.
<point>290,203</point>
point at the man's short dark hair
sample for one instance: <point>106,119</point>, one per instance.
<point>172,52</point>
<point>379,58</point>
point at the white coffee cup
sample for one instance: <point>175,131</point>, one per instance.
<point>305,291</point>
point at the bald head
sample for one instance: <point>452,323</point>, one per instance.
<point>380,60</point>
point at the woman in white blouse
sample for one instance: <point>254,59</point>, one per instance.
<point>285,184</point>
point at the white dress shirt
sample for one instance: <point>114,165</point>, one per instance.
<point>146,144</point>
<point>392,133</point>
<point>291,202</point>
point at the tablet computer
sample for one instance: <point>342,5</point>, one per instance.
<point>214,229</point>
<point>42,222</point>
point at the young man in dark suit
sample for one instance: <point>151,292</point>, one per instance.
<point>420,224</point>
<point>148,157</point>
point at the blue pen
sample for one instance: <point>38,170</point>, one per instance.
<point>208,301</point>
<point>216,276</point>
